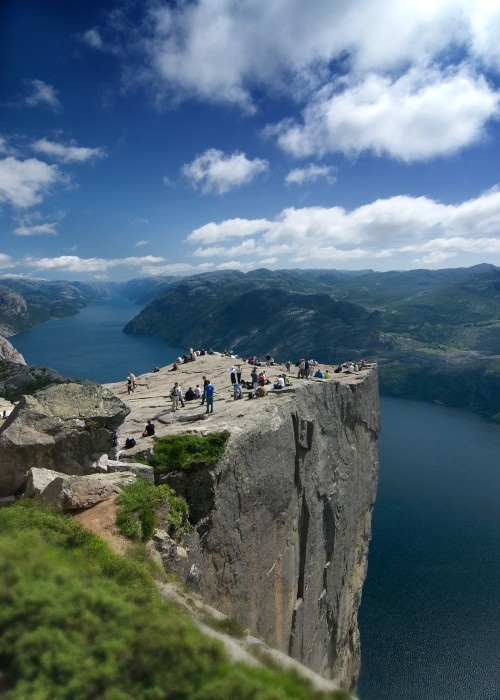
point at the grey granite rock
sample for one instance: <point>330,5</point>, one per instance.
<point>63,427</point>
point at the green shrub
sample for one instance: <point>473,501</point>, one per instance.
<point>79,622</point>
<point>138,505</point>
<point>188,451</point>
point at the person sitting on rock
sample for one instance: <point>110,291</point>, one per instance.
<point>279,383</point>
<point>174,368</point>
<point>327,374</point>
<point>262,378</point>
<point>197,392</point>
<point>149,430</point>
<point>190,395</point>
<point>319,374</point>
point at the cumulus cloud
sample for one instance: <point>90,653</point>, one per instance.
<point>400,225</point>
<point>41,94</point>
<point>23,183</point>
<point>231,228</point>
<point>215,171</point>
<point>311,173</point>
<point>36,230</point>
<point>73,263</point>
<point>93,39</point>
<point>423,113</point>
<point>6,261</point>
<point>70,153</point>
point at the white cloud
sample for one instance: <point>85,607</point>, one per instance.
<point>6,261</point>
<point>215,171</point>
<point>231,228</point>
<point>385,228</point>
<point>218,51</point>
<point>41,93</point>
<point>23,183</point>
<point>36,230</point>
<point>311,173</point>
<point>139,244</point>
<point>73,263</point>
<point>246,247</point>
<point>421,114</point>
<point>415,86</point>
<point>140,221</point>
<point>68,154</point>
<point>93,39</point>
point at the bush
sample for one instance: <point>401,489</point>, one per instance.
<point>188,451</point>
<point>138,505</point>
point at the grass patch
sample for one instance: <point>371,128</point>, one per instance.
<point>138,506</point>
<point>188,451</point>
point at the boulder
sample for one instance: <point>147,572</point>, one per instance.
<point>68,493</point>
<point>62,428</point>
<point>140,470</point>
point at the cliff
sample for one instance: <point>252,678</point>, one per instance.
<point>282,523</point>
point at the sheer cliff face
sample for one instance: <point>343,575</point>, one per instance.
<point>286,527</point>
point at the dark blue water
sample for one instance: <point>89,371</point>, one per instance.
<point>91,344</point>
<point>430,616</point>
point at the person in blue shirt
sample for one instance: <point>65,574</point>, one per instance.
<point>209,397</point>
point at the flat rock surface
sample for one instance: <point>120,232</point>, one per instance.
<point>151,398</point>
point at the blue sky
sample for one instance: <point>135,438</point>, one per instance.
<point>144,138</point>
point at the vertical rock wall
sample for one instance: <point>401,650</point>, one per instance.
<point>285,521</point>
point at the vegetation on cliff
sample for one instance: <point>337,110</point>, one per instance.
<point>80,622</point>
<point>440,326</point>
<point>139,503</point>
<point>187,451</point>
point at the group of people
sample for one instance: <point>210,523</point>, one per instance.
<point>258,380</point>
<point>206,396</point>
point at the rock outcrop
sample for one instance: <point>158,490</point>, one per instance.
<point>74,493</point>
<point>282,523</point>
<point>65,427</point>
<point>8,352</point>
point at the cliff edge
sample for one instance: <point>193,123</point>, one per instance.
<point>283,521</point>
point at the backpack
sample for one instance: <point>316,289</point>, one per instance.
<point>130,442</point>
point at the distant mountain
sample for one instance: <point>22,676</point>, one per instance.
<point>144,289</point>
<point>25,303</point>
<point>418,325</point>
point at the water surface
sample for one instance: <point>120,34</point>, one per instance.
<point>91,345</point>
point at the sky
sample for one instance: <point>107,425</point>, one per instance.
<point>146,138</point>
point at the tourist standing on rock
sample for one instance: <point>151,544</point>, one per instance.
<point>238,373</point>
<point>133,380</point>
<point>232,370</point>
<point>179,393</point>
<point>255,378</point>
<point>206,382</point>
<point>209,396</point>
<point>130,386</point>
